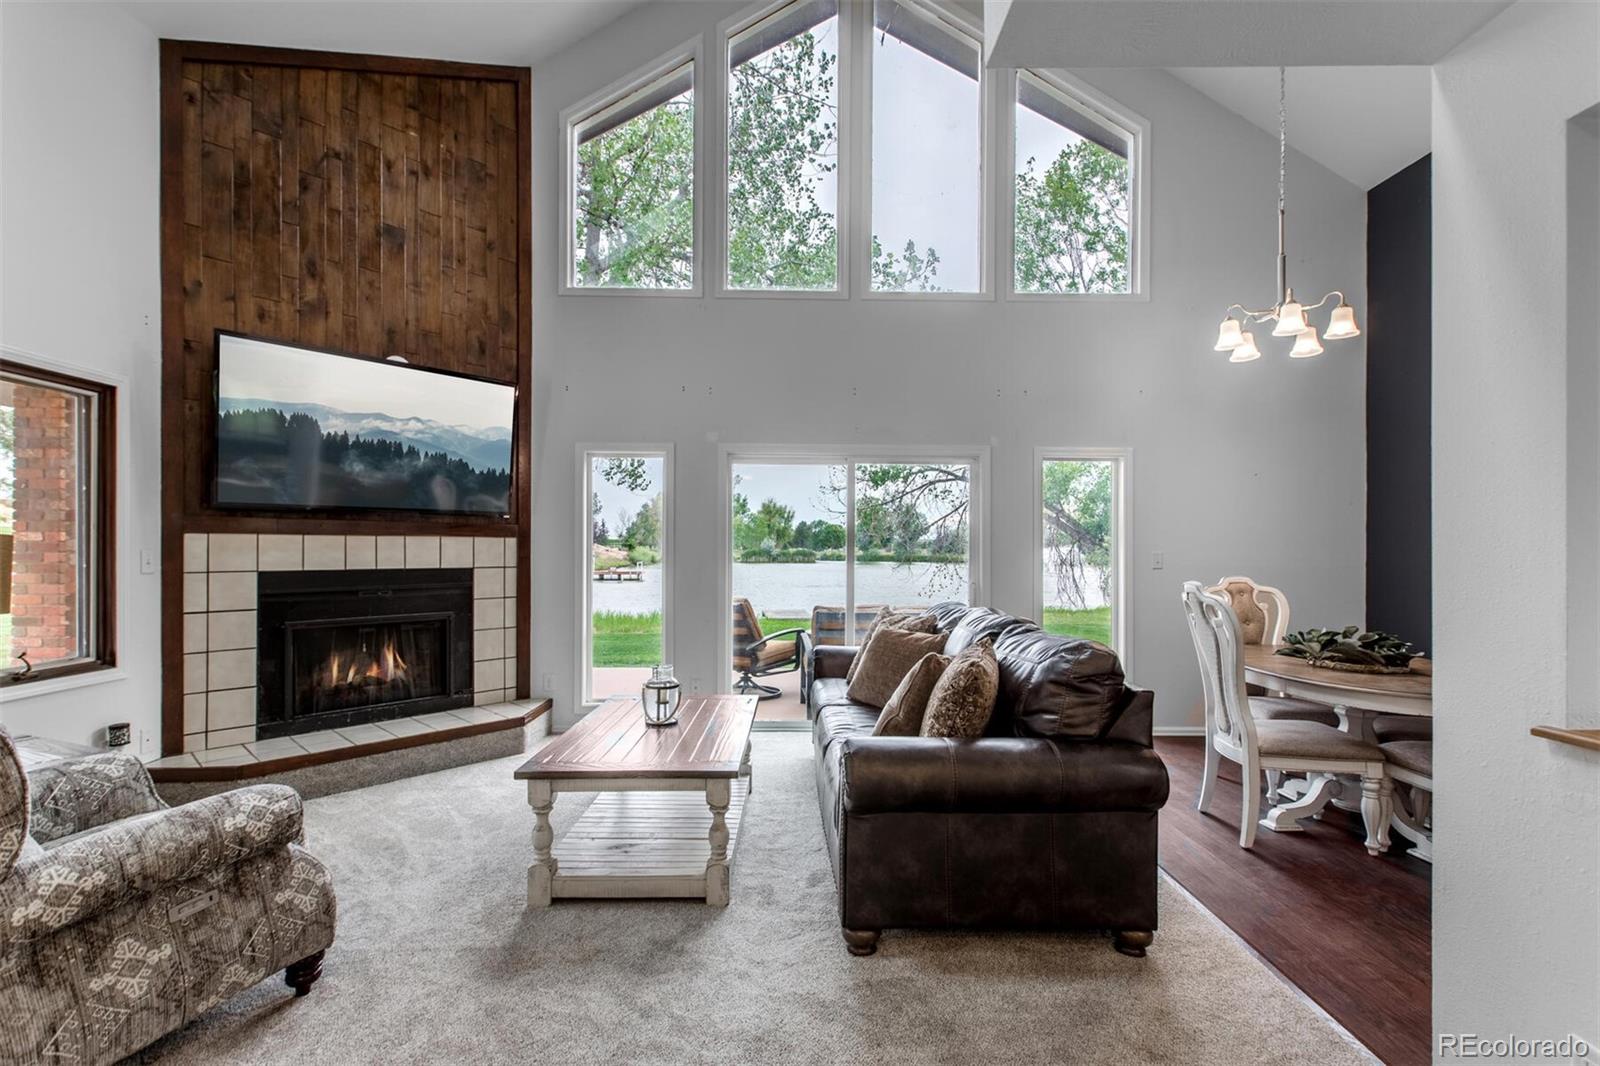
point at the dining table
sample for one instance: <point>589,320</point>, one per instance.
<point>1357,698</point>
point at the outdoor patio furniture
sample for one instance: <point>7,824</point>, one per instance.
<point>757,655</point>
<point>827,623</point>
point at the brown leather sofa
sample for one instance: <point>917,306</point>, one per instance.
<point>1048,821</point>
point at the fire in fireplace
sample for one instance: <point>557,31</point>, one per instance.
<point>342,648</point>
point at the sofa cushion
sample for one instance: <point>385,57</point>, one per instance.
<point>902,715</point>
<point>885,660</point>
<point>915,621</point>
<point>1057,686</point>
<point>963,699</point>
<point>827,692</point>
<point>13,804</point>
<point>843,720</point>
<point>979,622</point>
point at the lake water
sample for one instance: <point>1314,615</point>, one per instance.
<point>790,590</point>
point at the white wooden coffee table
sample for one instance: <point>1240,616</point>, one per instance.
<point>672,800</point>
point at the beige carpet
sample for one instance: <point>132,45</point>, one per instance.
<point>436,960</point>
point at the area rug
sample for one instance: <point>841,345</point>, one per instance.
<point>438,961</point>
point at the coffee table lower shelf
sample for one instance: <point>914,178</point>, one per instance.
<point>644,845</point>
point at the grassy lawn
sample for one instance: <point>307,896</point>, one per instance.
<point>635,639</point>
<point>1093,624</point>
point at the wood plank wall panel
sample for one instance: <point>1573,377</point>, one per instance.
<point>369,204</point>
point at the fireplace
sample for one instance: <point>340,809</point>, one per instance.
<point>339,648</point>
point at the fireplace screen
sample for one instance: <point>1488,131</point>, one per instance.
<point>347,647</point>
<point>341,666</point>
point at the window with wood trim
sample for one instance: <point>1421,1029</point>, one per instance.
<point>57,436</point>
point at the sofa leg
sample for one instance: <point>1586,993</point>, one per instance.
<point>861,941</point>
<point>1133,941</point>
<point>301,975</point>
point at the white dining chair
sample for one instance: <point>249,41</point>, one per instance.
<point>1263,614</point>
<point>1259,746</point>
<point>1411,765</point>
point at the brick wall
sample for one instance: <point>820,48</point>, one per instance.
<point>44,589</point>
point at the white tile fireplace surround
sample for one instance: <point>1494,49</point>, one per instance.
<point>219,614</point>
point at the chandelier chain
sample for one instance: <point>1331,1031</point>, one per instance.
<point>1283,136</point>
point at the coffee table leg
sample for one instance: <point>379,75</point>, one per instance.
<point>718,794</point>
<point>541,875</point>
<point>744,768</point>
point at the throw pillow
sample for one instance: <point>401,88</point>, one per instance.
<point>885,661</point>
<point>902,715</point>
<point>911,621</point>
<point>963,699</point>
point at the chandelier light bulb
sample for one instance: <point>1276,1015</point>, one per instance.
<point>1291,320</point>
<point>1246,350</point>
<point>1306,344</point>
<point>1228,335</point>
<point>1342,324</point>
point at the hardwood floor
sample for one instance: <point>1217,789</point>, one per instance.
<point>1353,932</point>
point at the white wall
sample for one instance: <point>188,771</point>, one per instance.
<point>79,224</point>
<point>1254,469</point>
<point>1517,849</point>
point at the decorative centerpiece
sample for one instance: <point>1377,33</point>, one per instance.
<point>1350,649</point>
<point>660,696</point>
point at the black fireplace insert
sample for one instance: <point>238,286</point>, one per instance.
<point>343,647</point>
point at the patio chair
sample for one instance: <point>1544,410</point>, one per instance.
<point>757,655</point>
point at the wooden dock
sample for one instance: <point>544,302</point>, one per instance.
<point>620,573</point>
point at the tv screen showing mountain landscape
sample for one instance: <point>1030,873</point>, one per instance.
<point>306,429</point>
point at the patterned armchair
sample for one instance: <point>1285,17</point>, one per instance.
<point>122,919</point>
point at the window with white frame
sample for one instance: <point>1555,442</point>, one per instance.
<point>633,187</point>
<point>1074,180</point>
<point>626,624</point>
<point>927,201</point>
<point>782,218</point>
<point>1081,538</point>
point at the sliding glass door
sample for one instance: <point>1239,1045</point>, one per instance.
<point>818,543</point>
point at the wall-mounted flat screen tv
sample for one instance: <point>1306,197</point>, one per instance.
<point>303,429</point>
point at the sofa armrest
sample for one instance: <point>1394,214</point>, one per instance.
<point>888,775</point>
<point>68,796</point>
<point>1135,718</point>
<point>833,660</point>
<point>98,871</point>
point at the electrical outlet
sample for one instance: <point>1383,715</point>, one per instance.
<point>147,744</point>
<point>694,686</point>
<point>147,562</point>
<point>1158,560</point>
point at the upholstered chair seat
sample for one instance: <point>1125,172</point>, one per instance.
<point>1413,755</point>
<point>1312,741</point>
<point>1289,709</point>
<point>1387,727</point>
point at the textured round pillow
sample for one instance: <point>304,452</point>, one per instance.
<point>13,804</point>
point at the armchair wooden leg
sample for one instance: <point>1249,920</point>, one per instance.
<point>1132,942</point>
<point>861,941</point>
<point>301,975</point>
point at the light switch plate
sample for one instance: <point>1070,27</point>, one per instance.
<point>147,562</point>
<point>1158,560</point>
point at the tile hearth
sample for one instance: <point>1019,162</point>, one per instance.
<point>347,737</point>
<point>219,627</point>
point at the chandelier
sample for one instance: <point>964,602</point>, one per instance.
<point>1289,315</point>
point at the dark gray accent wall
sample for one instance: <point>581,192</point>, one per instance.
<point>1399,331</point>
